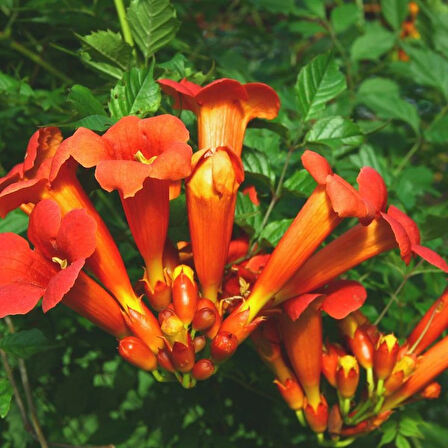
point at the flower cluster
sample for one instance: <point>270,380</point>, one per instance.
<point>192,310</point>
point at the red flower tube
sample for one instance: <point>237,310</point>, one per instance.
<point>223,108</point>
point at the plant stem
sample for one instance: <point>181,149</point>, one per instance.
<point>415,147</point>
<point>126,30</point>
<point>36,59</point>
<point>28,394</point>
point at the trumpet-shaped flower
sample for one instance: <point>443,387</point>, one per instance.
<point>140,159</point>
<point>223,107</point>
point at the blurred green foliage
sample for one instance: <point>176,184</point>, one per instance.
<point>364,82</point>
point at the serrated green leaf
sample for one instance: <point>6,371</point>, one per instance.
<point>257,164</point>
<point>344,16</point>
<point>12,86</point>
<point>24,343</point>
<point>274,231</point>
<point>135,94</point>
<point>394,11</point>
<point>15,222</point>
<point>335,132</point>
<point>381,95</point>
<point>6,393</point>
<point>84,102</point>
<point>390,430</point>
<point>107,46</point>
<point>373,44</point>
<point>420,60</point>
<point>437,132</point>
<point>408,427</point>
<point>102,67</point>
<point>94,122</point>
<point>153,24</point>
<point>317,7</point>
<point>318,82</point>
<point>300,183</point>
<point>247,214</point>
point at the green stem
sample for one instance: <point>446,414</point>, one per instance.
<point>126,30</point>
<point>36,59</point>
<point>301,417</point>
<point>370,381</point>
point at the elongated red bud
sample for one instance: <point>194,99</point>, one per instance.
<point>347,376</point>
<point>136,352</point>
<point>213,330</point>
<point>385,356</point>
<point>402,370</point>
<point>199,343</point>
<point>204,319</point>
<point>183,357</point>
<point>146,327</point>
<point>164,360</point>
<point>358,340</point>
<point>330,357</point>
<point>335,421</point>
<point>223,345</point>
<point>185,293</point>
<point>291,392</point>
<point>203,369</point>
<point>317,417</point>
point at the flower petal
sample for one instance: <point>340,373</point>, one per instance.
<point>222,90</point>
<point>182,92</point>
<point>372,188</point>
<point>345,200</point>
<point>86,147</point>
<point>41,146</point>
<point>401,236</point>
<point>297,305</point>
<point>430,256</point>
<point>45,220</point>
<point>14,195</point>
<point>172,164</point>
<point>13,176</point>
<point>317,166</point>
<point>343,297</point>
<point>408,223</point>
<point>125,139</point>
<point>161,132</point>
<point>60,284</point>
<point>19,298</point>
<point>263,101</point>
<point>76,238</point>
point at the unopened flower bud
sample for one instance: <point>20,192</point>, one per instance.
<point>335,421</point>
<point>199,343</point>
<point>164,314</point>
<point>402,370</point>
<point>317,417</point>
<point>291,392</point>
<point>385,356</point>
<point>204,319</point>
<point>431,391</point>
<point>330,356</point>
<point>203,369</point>
<point>213,330</point>
<point>347,376</point>
<point>185,293</point>
<point>164,360</point>
<point>172,325</point>
<point>136,352</point>
<point>183,357</point>
<point>223,346</point>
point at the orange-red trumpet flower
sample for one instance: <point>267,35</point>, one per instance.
<point>223,107</point>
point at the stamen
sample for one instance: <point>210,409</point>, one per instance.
<point>62,263</point>
<point>142,159</point>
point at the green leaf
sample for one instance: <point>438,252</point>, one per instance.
<point>94,122</point>
<point>419,72</point>
<point>300,183</point>
<point>344,16</point>
<point>318,82</point>
<point>274,6</point>
<point>153,24</point>
<point>24,343</point>
<point>409,427</point>
<point>6,394</point>
<point>434,227</point>
<point>15,222</point>
<point>412,183</point>
<point>390,430</point>
<point>373,44</point>
<point>135,94</point>
<point>108,47</point>
<point>247,214</point>
<point>274,231</point>
<point>102,67</point>
<point>84,102</point>
<point>382,96</point>
<point>257,164</point>
<point>394,11</point>
<point>317,7</point>
<point>402,442</point>
<point>335,132</point>
<point>437,132</point>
